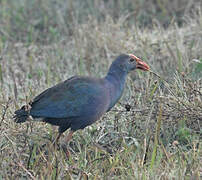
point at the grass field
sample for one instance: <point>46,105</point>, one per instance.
<point>154,132</point>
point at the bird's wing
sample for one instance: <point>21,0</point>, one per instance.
<point>44,93</point>
<point>67,99</point>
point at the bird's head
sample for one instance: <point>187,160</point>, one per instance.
<point>137,63</point>
<point>127,63</point>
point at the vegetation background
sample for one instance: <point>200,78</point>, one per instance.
<point>154,132</point>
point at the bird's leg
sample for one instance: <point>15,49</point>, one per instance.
<point>67,139</point>
<point>55,142</point>
<point>69,136</point>
<point>58,137</point>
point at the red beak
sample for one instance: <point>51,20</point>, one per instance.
<point>140,64</point>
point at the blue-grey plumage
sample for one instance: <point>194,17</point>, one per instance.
<point>80,101</point>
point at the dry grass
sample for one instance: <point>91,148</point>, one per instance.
<point>154,132</point>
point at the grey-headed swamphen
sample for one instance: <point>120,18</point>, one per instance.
<point>80,101</point>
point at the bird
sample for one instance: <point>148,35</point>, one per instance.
<point>80,100</point>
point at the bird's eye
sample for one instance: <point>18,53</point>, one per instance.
<point>131,60</point>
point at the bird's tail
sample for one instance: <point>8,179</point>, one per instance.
<point>21,115</point>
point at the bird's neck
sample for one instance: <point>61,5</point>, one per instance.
<point>116,81</point>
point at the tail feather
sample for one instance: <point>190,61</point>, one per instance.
<point>21,115</point>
